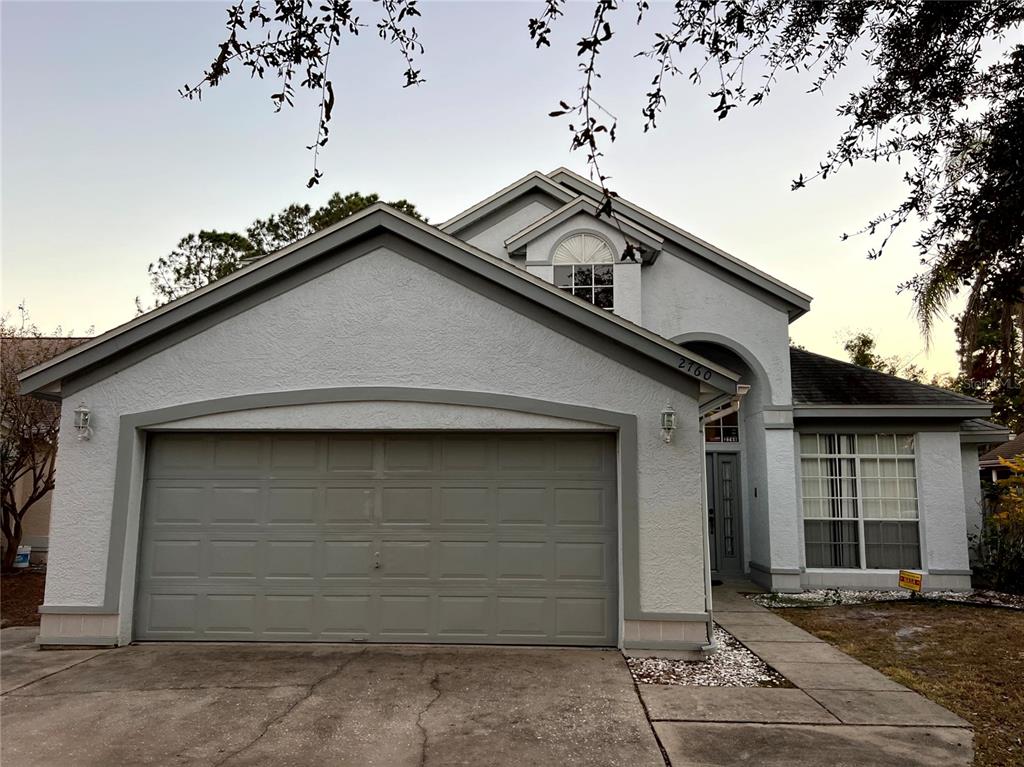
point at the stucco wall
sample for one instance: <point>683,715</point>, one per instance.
<point>490,233</point>
<point>940,486</point>
<point>680,298</point>
<point>383,320</point>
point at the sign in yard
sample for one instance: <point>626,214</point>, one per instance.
<point>911,581</point>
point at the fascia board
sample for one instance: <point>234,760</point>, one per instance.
<point>890,411</point>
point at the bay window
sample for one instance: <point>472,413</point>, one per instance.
<point>860,501</point>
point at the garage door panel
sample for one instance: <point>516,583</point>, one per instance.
<point>246,452</point>
<point>346,615</point>
<point>406,615</point>
<point>347,560</point>
<point>293,505</point>
<point>466,454</point>
<point>524,561</point>
<point>290,559</point>
<point>175,559</point>
<point>408,454</point>
<point>469,617</point>
<point>475,537</point>
<point>175,503</point>
<point>350,454</point>
<point>233,559</point>
<point>350,504</point>
<point>237,505</point>
<point>234,614</point>
<point>296,453</point>
<point>464,560</point>
<point>466,505</point>
<point>524,505</point>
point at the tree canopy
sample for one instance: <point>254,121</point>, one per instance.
<point>203,257</point>
<point>28,426</point>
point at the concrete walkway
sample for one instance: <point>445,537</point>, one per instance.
<point>841,712</point>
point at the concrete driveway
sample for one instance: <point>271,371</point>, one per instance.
<point>320,704</point>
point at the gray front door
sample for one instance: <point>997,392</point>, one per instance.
<point>724,521</point>
<point>417,537</point>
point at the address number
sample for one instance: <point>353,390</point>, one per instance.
<point>695,369</point>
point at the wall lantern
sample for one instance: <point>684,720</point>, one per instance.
<point>668,423</point>
<point>82,422</point>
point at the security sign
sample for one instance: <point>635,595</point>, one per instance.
<point>910,581</point>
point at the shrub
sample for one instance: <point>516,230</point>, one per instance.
<point>1002,535</point>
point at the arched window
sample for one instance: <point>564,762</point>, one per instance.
<point>584,266</point>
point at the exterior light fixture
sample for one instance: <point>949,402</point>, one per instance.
<point>82,415</point>
<point>668,423</point>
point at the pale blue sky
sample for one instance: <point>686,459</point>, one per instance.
<point>104,167</point>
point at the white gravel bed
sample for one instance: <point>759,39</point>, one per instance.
<point>824,597</point>
<point>732,666</point>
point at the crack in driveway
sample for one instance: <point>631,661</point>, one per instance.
<point>434,685</point>
<point>309,693</point>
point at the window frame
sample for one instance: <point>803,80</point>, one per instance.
<point>592,286</point>
<point>858,499</point>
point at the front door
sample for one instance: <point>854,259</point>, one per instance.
<point>724,521</point>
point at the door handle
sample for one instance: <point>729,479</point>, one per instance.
<point>376,560</point>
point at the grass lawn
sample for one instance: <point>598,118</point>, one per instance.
<point>21,593</point>
<point>968,659</point>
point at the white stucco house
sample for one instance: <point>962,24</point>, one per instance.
<point>495,430</point>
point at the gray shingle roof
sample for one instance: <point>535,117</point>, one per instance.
<point>1006,450</point>
<point>820,380</point>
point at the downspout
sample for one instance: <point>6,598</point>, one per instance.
<point>734,406</point>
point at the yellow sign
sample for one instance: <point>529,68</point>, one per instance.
<point>911,581</point>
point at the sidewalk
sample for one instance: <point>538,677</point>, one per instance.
<point>841,712</point>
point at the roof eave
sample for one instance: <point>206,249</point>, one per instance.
<point>958,412</point>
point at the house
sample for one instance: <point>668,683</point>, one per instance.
<point>488,431</point>
<point>992,469</point>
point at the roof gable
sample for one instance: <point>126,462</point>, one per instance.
<point>531,182</point>
<point>824,387</point>
<point>274,272</point>
<point>650,242</point>
<point>797,302</point>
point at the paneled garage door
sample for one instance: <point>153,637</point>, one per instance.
<point>420,537</point>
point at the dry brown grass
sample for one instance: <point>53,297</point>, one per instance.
<point>968,659</point>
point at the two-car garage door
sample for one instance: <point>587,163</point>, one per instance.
<point>393,537</point>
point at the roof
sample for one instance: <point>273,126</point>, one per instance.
<point>824,387</point>
<point>135,339</point>
<point>978,431</point>
<point>1010,449</point>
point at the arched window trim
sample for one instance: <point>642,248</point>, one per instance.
<point>589,275</point>
<point>583,233</point>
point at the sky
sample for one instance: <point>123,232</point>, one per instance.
<point>105,167</point>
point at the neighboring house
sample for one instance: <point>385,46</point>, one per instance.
<point>391,431</point>
<point>36,523</point>
<point>992,469</point>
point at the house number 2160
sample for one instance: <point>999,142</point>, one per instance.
<point>694,369</point>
